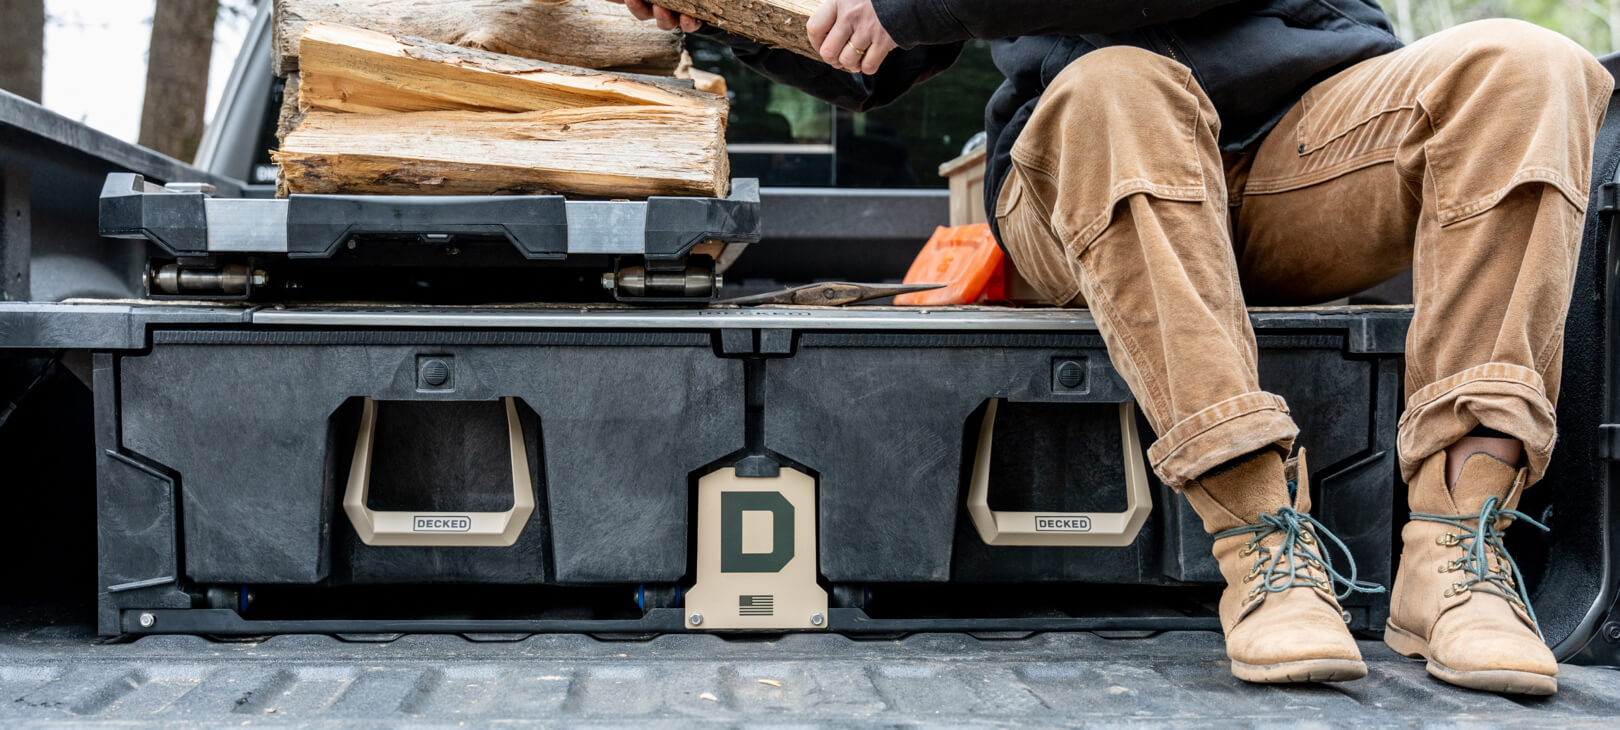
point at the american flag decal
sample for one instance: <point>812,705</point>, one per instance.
<point>756,605</point>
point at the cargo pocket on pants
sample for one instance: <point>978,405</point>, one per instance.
<point>1084,151</point>
<point>1026,232</point>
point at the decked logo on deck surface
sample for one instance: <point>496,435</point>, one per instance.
<point>1063,523</point>
<point>441,523</point>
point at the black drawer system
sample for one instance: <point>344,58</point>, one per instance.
<point>235,495</point>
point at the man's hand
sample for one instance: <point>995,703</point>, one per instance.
<point>848,35</point>
<point>667,20</point>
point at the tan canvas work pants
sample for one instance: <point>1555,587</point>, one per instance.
<point>1465,156</point>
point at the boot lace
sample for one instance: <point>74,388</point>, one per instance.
<point>1477,543</point>
<point>1290,564</point>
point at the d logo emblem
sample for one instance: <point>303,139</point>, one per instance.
<point>756,554</point>
<point>733,505</point>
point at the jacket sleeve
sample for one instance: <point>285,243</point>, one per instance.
<point>902,70</point>
<point>923,22</point>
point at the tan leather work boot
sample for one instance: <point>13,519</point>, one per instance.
<point>1282,620</point>
<point>1459,600</point>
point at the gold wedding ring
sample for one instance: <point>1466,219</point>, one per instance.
<point>851,44</point>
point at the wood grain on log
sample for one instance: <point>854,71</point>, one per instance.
<point>711,83</point>
<point>777,23</point>
<point>582,33</point>
<point>610,152</point>
<point>350,69</point>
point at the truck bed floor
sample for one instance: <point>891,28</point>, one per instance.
<point>53,674</point>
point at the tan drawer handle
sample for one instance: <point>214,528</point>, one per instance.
<point>1064,529</point>
<point>444,529</point>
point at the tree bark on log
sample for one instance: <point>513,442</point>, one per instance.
<point>349,69</point>
<point>778,23</point>
<point>574,32</point>
<point>22,47</point>
<point>607,152</point>
<point>290,115</point>
<point>177,76</point>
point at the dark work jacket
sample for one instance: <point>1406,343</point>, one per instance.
<point>1254,58</point>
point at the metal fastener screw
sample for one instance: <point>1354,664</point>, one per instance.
<point>696,619</point>
<point>1611,631</point>
<point>816,619</point>
<point>147,620</point>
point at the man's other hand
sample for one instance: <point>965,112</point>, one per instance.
<point>848,35</point>
<point>667,20</point>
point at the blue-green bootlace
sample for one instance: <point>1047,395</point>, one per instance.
<point>1289,564</point>
<point>1478,542</point>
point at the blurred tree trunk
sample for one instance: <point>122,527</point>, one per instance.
<point>1403,21</point>
<point>22,47</point>
<point>177,76</point>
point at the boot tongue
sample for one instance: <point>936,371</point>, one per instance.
<point>1299,483</point>
<point>1483,476</point>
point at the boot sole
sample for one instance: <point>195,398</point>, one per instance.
<point>1507,681</point>
<point>1308,670</point>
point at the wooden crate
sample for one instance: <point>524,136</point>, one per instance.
<point>966,177</point>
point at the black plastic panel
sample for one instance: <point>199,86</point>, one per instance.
<point>174,221</point>
<point>537,225</point>
<point>623,418</point>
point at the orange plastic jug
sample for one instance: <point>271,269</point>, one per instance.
<point>963,258</point>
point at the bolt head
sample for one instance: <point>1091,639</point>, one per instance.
<point>696,619</point>
<point>816,619</point>
<point>608,281</point>
<point>148,620</point>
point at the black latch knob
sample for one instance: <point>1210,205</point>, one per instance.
<point>435,373</point>
<point>1070,374</point>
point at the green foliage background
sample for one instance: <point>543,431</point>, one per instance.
<point>1594,24</point>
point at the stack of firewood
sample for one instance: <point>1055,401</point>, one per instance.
<point>490,97</point>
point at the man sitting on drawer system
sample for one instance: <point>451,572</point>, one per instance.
<point>1166,161</point>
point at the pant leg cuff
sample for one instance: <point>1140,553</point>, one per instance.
<point>1497,395</point>
<point>1215,435</point>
